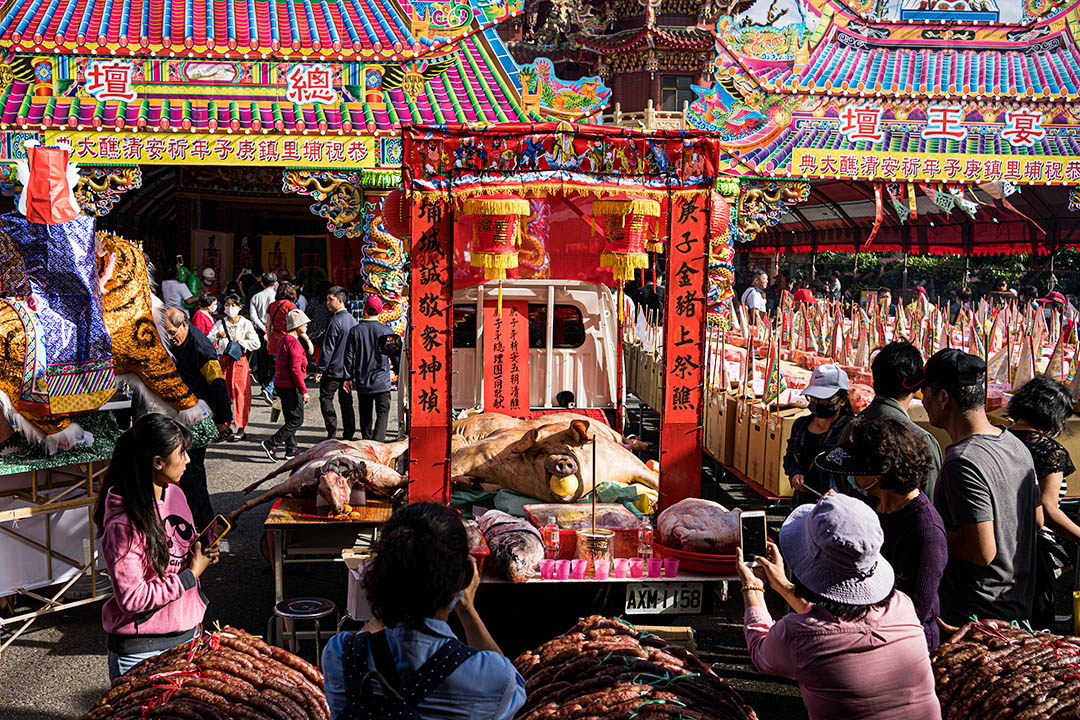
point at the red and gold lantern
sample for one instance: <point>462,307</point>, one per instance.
<point>496,234</point>
<point>627,221</point>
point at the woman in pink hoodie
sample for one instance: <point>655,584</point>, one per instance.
<point>148,541</point>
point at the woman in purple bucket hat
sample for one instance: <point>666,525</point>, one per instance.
<point>854,643</point>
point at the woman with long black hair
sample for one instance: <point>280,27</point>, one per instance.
<point>148,541</point>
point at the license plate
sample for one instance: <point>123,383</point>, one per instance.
<point>664,598</point>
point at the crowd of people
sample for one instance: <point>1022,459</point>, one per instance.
<point>891,538</point>
<point>891,541</point>
<point>263,333</point>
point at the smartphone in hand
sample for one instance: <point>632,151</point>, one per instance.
<point>752,534</point>
<point>212,533</point>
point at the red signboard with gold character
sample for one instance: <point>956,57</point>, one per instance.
<point>684,327</point>
<point>429,349</point>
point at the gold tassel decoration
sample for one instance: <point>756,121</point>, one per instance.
<point>498,304</point>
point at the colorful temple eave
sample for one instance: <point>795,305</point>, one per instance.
<point>895,101</point>
<point>301,30</point>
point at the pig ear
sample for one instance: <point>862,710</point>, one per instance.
<point>579,430</point>
<point>527,441</point>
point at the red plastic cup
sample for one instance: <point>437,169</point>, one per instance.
<point>671,567</point>
<point>637,566</point>
<point>578,568</point>
<point>547,569</point>
<point>621,567</point>
<point>602,568</point>
<point>562,569</point>
<point>656,565</point>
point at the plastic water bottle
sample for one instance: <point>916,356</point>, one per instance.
<point>644,545</point>
<point>550,535</point>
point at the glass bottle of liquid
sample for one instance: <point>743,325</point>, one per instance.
<point>550,535</point>
<point>645,537</point>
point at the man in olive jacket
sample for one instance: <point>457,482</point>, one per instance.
<point>896,365</point>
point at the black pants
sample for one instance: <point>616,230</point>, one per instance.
<point>193,483</point>
<point>381,404</point>
<point>292,408</point>
<point>328,387</point>
<point>264,366</point>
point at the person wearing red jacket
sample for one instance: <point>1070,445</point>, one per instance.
<point>148,542</point>
<point>290,383</point>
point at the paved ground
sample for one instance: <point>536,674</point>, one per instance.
<point>57,669</point>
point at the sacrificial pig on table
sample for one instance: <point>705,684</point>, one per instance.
<point>552,461</point>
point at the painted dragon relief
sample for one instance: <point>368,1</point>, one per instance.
<point>543,92</point>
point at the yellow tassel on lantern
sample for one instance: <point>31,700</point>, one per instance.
<point>653,243</point>
<point>625,223</point>
<point>497,232</point>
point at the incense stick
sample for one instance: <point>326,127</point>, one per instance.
<point>594,483</point>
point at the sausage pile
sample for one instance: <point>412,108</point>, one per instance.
<point>990,670</point>
<point>604,669</point>
<point>220,676</point>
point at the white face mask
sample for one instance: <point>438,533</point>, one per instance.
<point>232,311</point>
<point>213,308</point>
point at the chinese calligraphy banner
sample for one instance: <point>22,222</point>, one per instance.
<point>429,349</point>
<point>143,148</point>
<point>932,167</point>
<point>684,328</point>
<point>506,358</point>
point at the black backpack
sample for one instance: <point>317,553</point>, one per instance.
<point>397,699</point>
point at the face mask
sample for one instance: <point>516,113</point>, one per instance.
<point>863,491</point>
<point>213,308</point>
<point>456,600</point>
<point>232,311</point>
<point>823,410</point>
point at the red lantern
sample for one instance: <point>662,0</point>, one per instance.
<point>495,232</point>
<point>396,214</point>
<point>626,220</point>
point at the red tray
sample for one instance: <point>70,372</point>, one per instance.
<point>696,562</point>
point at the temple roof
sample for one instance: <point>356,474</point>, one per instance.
<point>680,38</point>
<point>935,63</point>
<point>339,29</point>
<point>473,88</point>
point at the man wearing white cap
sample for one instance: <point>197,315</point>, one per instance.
<point>209,281</point>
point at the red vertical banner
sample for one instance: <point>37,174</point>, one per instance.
<point>684,347</point>
<point>431,280</point>
<point>506,358</point>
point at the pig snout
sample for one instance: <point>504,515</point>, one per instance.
<point>561,465</point>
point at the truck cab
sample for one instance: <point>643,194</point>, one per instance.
<point>572,336</point>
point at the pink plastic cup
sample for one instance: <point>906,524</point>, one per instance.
<point>621,567</point>
<point>637,565</point>
<point>671,567</point>
<point>547,569</point>
<point>578,568</point>
<point>562,569</point>
<point>602,567</point>
<point>655,566</point>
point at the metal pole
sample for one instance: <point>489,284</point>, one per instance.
<point>904,276</point>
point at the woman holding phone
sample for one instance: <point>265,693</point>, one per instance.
<point>149,544</point>
<point>854,643</point>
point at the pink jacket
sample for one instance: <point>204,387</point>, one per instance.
<point>290,364</point>
<point>143,602</point>
<point>877,667</point>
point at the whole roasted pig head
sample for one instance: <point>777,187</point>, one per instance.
<point>336,481</point>
<point>558,456</point>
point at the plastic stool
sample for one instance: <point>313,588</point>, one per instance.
<point>298,609</point>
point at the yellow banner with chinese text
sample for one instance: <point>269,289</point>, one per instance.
<point>159,148</point>
<point>933,167</point>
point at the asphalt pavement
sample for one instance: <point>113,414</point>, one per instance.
<point>57,669</point>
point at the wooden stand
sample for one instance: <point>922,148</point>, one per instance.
<point>51,491</point>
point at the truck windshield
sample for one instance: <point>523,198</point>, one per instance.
<point>568,331</point>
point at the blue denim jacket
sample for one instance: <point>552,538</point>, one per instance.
<point>485,687</point>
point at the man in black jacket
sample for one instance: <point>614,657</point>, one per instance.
<point>197,364</point>
<point>330,373</point>
<point>367,362</point>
